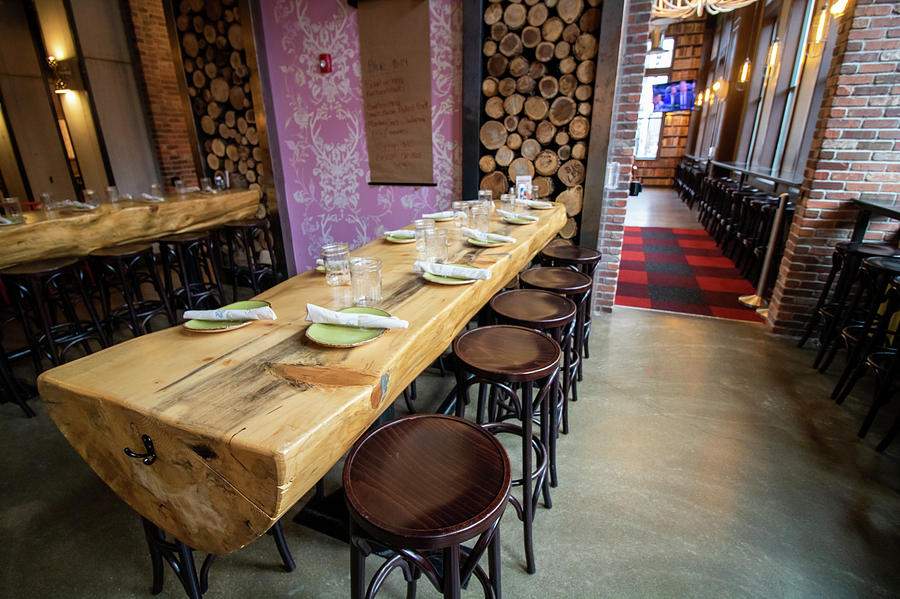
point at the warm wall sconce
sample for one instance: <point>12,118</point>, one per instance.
<point>772,60</point>
<point>60,85</point>
<point>838,8</point>
<point>744,76</point>
<point>817,41</point>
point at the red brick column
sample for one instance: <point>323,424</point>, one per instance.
<point>157,76</point>
<point>855,154</point>
<point>621,149</point>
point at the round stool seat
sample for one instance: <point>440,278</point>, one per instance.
<point>866,249</point>
<point>890,265</point>
<point>508,353</point>
<point>40,267</point>
<point>247,223</point>
<point>572,253</point>
<point>186,237</point>
<point>534,307</point>
<point>557,279</point>
<point>122,251</point>
<point>426,482</point>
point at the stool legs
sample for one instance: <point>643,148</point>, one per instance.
<point>836,263</point>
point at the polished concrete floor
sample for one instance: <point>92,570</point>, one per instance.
<point>704,460</point>
<point>659,207</point>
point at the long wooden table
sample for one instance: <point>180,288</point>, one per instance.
<point>244,422</point>
<point>80,233</point>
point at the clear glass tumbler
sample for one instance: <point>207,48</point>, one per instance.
<point>12,209</point>
<point>480,216</point>
<point>112,196</point>
<point>436,245</point>
<point>90,197</point>
<point>421,225</point>
<point>48,204</point>
<point>336,257</point>
<point>365,281</point>
<point>460,217</point>
<point>486,195</point>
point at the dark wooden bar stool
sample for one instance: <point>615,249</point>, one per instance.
<point>180,558</point>
<point>845,262</point>
<point>554,315</point>
<point>196,259</point>
<point>420,487</point>
<point>10,388</point>
<point>240,236</point>
<point>125,269</point>
<point>584,260</point>
<point>506,362</point>
<point>573,284</point>
<point>46,296</point>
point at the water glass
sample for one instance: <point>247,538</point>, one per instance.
<point>155,190</point>
<point>336,258</point>
<point>112,196</point>
<point>204,184</point>
<point>421,225</point>
<point>460,216</point>
<point>48,204</point>
<point>365,281</point>
<point>486,195</point>
<point>179,186</point>
<point>436,245</point>
<point>508,202</point>
<point>11,207</point>
<point>480,216</point>
<point>90,198</point>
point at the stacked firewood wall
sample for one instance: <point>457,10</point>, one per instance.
<point>540,61</point>
<point>218,83</point>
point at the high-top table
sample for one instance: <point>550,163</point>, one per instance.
<point>244,422</point>
<point>80,233</point>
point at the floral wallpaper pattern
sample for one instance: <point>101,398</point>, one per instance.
<point>321,131</point>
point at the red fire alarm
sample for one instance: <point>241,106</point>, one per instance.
<point>324,63</point>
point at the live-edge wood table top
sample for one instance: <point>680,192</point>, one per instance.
<point>246,421</point>
<point>80,233</point>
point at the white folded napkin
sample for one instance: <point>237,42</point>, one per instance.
<point>316,313</point>
<point>488,236</point>
<point>190,189</point>
<point>73,205</point>
<point>152,198</point>
<point>4,221</point>
<point>320,262</point>
<point>451,270</point>
<point>538,204</point>
<point>513,215</point>
<point>437,215</point>
<point>264,313</point>
<point>401,233</point>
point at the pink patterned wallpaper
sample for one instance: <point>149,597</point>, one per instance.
<point>321,132</point>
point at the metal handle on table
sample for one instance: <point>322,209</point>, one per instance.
<point>149,457</point>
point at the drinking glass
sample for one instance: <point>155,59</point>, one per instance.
<point>112,196</point>
<point>12,208</point>
<point>480,216</point>
<point>179,186</point>
<point>365,281</point>
<point>421,225</point>
<point>336,257</point>
<point>48,204</point>
<point>460,217</point>
<point>204,184</point>
<point>155,190</point>
<point>436,245</point>
<point>535,192</point>
<point>90,198</point>
<point>486,195</point>
<point>508,202</point>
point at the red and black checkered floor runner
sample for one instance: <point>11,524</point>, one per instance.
<point>680,270</point>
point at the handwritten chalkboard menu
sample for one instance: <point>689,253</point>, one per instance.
<point>395,56</point>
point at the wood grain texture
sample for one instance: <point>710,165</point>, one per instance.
<point>81,233</point>
<point>245,422</point>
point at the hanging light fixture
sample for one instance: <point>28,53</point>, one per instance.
<point>684,9</point>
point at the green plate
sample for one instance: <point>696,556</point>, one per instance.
<point>541,207</point>
<point>338,335</point>
<point>449,280</point>
<point>15,220</point>
<point>320,269</point>
<point>393,239</point>
<point>518,221</point>
<point>485,244</point>
<point>218,326</point>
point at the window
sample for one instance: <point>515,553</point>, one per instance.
<point>649,123</point>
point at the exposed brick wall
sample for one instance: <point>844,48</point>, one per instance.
<point>621,150</point>
<point>688,36</point>
<point>855,154</point>
<point>158,83</point>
